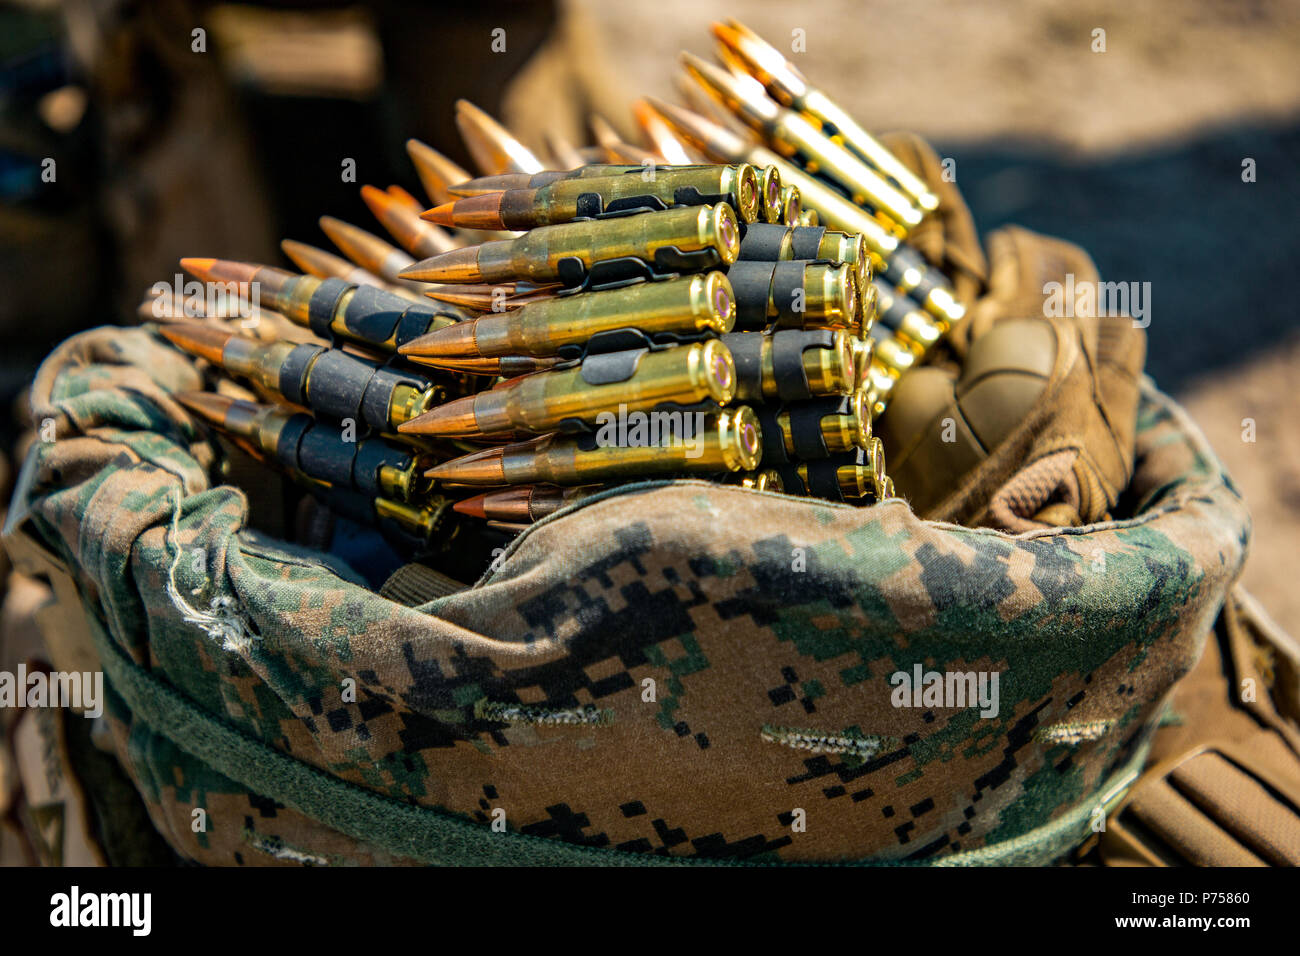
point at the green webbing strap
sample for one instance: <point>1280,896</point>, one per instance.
<point>438,837</point>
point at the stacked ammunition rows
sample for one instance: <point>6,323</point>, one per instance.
<point>619,319</point>
<point>767,113</point>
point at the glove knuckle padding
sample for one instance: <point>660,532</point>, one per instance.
<point>1037,428</point>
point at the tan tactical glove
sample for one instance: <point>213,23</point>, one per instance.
<point>1029,422</point>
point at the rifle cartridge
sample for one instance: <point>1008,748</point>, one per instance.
<point>766,242</point>
<point>419,238</point>
<point>814,428</point>
<point>892,353</point>
<point>564,200</point>
<point>524,503</point>
<point>682,239</point>
<point>369,251</point>
<point>658,133</point>
<point>326,265</point>
<point>495,184</point>
<point>791,135</point>
<point>328,381</point>
<point>640,380</point>
<point>846,477</point>
<point>491,145</point>
<point>730,441</point>
<point>791,364</point>
<point>899,314</point>
<point>787,86</point>
<point>795,293</point>
<point>900,264</point>
<point>890,359</point>
<point>331,307</point>
<point>683,308</point>
<point>303,446</point>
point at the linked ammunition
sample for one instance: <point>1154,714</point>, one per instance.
<point>524,503</point>
<point>671,310</point>
<point>493,148</point>
<point>785,84</point>
<point>412,233</point>
<point>813,429</point>
<point>898,263</point>
<point>772,242</point>
<point>791,135</point>
<point>329,307</point>
<point>328,381</point>
<point>792,364</point>
<point>891,352</point>
<point>899,314</point>
<point>585,197</point>
<point>794,294</point>
<point>668,444</point>
<point>851,476</point>
<point>319,451</point>
<point>723,145</point>
<point>496,184</point>
<point>684,239</point>
<point>683,378</point>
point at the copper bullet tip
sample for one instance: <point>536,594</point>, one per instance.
<point>452,341</point>
<point>486,467</point>
<point>198,338</point>
<point>471,212</point>
<point>456,265</point>
<point>471,506</point>
<point>454,419</point>
<point>443,215</point>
